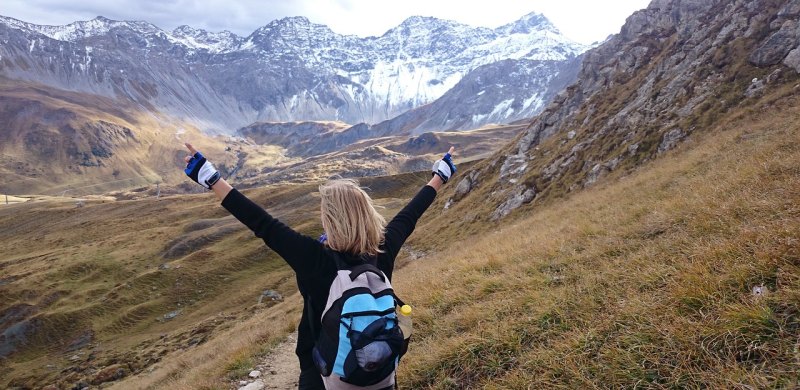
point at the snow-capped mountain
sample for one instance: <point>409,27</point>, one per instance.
<point>290,69</point>
<point>81,29</point>
<point>500,92</point>
<point>204,40</point>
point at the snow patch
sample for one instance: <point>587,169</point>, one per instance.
<point>534,101</point>
<point>479,118</point>
<point>502,109</point>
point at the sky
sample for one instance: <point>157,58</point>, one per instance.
<point>584,21</point>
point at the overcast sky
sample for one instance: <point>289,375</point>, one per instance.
<point>584,21</point>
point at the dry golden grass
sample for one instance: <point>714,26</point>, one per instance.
<point>114,268</point>
<point>644,282</point>
<point>99,268</point>
<point>230,355</point>
<point>9,199</point>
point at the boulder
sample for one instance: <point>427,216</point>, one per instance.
<point>514,165</point>
<point>755,87</point>
<point>520,196</point>
<point>465,186</point>
<point>792,60</point>
<point>790,10</point>
<point>670,139</point>
<point>595,173</point>
<point>775,48</point>
<point>257,385</point>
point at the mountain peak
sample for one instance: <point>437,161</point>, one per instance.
<point>427,22</point>
<point>289,22</point>
<point>292,21</point>
<point>82,29</point>
<point>288,27</point>
<point>535,19</point>
<point>531,22</point>
<point>201,39</point>
<point>184,29</point>
<point>417,19</point>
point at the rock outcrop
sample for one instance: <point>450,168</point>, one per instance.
<point>672,70</point>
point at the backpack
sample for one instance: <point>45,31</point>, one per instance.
<point>360,342</point>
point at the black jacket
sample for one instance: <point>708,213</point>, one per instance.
<point>313,262</point>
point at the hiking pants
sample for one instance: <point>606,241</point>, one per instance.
<point>310,380</point>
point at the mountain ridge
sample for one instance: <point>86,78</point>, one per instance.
<point>290,69</point>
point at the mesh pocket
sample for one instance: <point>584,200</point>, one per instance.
<point>374,355</point>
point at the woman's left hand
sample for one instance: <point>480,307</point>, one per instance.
<point>199,169</point>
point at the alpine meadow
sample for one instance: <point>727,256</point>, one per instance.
<point>623,215</point>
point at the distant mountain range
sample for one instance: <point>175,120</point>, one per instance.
<point>457,76</point>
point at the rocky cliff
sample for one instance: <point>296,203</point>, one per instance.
<point>674,69</point>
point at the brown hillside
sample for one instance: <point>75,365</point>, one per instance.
<point>131,284</point>
<point>54,141</point>
<point>676,69</point>
<point>683,274</point>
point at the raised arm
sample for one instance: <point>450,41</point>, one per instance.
<point>302,253</point>
<point>403,224</point>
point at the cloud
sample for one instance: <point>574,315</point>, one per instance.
<point>239,16</point>
<point>582,20</point>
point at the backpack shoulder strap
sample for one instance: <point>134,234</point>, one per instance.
<point>364,268</point>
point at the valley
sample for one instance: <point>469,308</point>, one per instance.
<point>124,283</point>
<point>640,230</point>
<point>88,145</point>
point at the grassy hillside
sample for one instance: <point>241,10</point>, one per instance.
<point>126,284</point>
<point>644,281</point>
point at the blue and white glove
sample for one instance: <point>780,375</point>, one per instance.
<point>444,168</point>
<point>201,170</point>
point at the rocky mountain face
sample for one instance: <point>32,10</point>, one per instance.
<point>527,86</point>
<point>295,70</point>
<point>300,138</point>
<point>675,68</point>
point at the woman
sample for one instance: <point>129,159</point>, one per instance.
<point>354,233</point>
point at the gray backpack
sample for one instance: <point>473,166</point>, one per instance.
<point>360,343</point>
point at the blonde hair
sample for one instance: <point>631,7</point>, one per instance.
<point>349,218</point>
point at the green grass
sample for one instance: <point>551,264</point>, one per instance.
<point>240,366</point>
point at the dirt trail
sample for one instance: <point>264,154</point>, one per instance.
<point>280,369</point>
